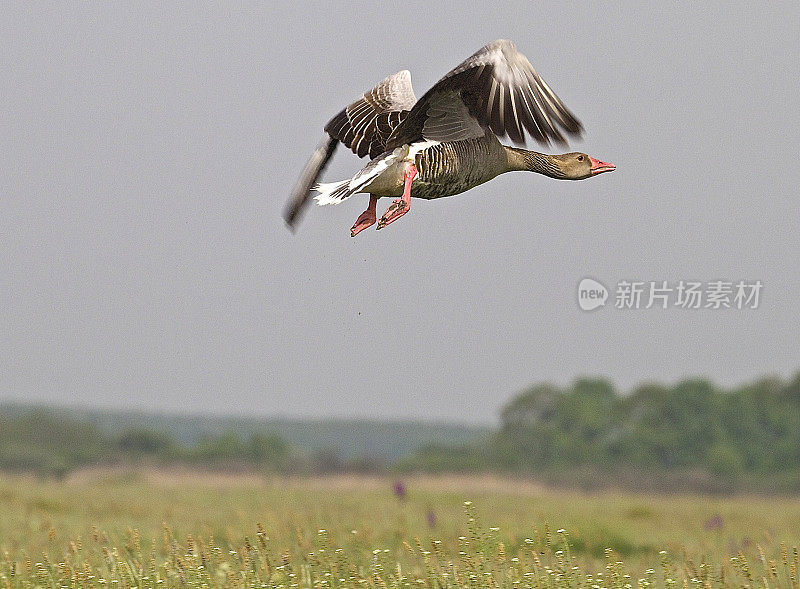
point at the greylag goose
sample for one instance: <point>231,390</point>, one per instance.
<point>447,141</point>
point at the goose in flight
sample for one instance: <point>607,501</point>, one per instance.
<point>447,141</point>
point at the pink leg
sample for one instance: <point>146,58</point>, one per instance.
<point>402,205</point>
<point>367,218</point>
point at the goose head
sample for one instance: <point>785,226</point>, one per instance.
<point>579,166</point>
<point>566,166</point>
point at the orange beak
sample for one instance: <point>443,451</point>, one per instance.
<point>599,167</point>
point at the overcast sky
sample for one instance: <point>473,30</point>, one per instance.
<point>147,152</point>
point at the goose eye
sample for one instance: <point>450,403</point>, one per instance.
<point>580,158</point>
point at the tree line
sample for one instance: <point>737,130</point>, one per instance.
<point>693,434</point>
<point>44,442</point>
<point>690,435</point>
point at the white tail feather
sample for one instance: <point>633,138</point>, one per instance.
<point>325,196</point>
<point>336,192</point>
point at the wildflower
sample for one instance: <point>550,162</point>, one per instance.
<point>430,517</point>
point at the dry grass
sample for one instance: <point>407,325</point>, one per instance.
<point>138,528</point>
<point>184,476</point>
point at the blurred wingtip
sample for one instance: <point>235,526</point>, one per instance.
<point>311,173</point>
<point>291,218</point>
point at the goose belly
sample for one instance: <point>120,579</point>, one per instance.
<point>451,168</point>
<point>390,181</point>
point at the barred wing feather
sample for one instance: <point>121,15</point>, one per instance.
<point>499,89</point>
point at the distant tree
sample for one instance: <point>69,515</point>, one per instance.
<point>533,407</point>
<point>589,410</point>
<point>40,441</point>
<point>435,458</point>
<point>268,450</point>
<point>326,461</point>
<point>791,390</point>
<point>227,449</point>
<point>144,442</point>
<point>724,461</point>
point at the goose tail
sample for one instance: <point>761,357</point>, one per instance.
<point>332,193</point>
<point>336,192</point>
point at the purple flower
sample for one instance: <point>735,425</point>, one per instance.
<point>399,489</point>
<point>713,523</point>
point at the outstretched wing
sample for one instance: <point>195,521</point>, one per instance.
<point>364,127</point>
<point>497,88</point>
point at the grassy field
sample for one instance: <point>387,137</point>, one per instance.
<point>149,529</point>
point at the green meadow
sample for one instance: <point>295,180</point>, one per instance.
<point>155,528</point>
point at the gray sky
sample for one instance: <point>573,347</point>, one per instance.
<point>146,154</point>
